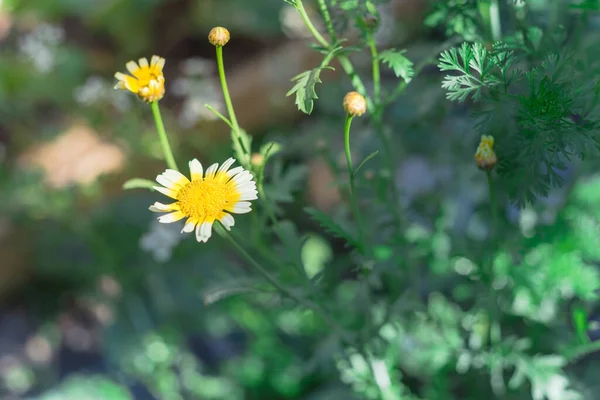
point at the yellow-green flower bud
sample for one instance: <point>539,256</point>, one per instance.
<point>218,36</point>
<point>355,104</point>
<point>257,160</point>
<point>485,157</point>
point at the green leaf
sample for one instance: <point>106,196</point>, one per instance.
<point>402,66</point>
<point>291,3</point>
<point>305,89</point>
<point>363,162</point>
<point>84,387</point>
<point>580,320</point>
<point>331,227</point>
<point>229,289</point>
<point>474,67</point>
<point>139,183</point>
<point>268,150</point>
<point>316,253</point>
<point>306,82</point>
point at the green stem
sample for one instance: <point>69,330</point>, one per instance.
<point>230,111</point>
<point>353,201</point>
<point>376,72</point>
<point>284,290</point>
<point>345,62</point>
<point>310,25</point>
<point>493,207</point>
<point>495,23</point>
<point>327,19</point>
<point>162,134</point>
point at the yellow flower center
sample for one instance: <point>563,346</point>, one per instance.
<point>207,198</point>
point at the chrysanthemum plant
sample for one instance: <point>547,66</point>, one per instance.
<point>538,108</point>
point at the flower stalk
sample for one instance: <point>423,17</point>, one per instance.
<point>164,139</point>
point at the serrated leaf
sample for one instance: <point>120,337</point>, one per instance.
<point>306,81</point>
<point>305,89</point>
<point>474,65</point>
<point>331,227</point>
<point>402,66</point>
<point>139,183</point>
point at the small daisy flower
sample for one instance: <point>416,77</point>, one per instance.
<point>485,157</point>
<point>147,81</point>
<point>207,197</point>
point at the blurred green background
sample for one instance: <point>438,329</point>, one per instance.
<point>98,300</point>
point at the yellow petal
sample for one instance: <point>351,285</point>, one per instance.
<point>131,84</point>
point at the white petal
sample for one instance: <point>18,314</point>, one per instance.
<point>143,62</point>
<point>120,76</point>
<point>249,195</point>
<point>166,182</point>
<point>211,170</point>
<point>167,192</point>
<point>227,221</point>
<point>173,217</point>
<point>225,166</point>
<point>203,231</point>
<point>246,187</point>
<point>242,207</point>
<point>160,207</point>
<point>132,67</point>
<point>176,177</point>
<point>189,226</point>
<point>195,170</point>
<point>242,178</point>
<point>235,171</point>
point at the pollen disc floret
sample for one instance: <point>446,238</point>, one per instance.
<point>207,197</point>
<point>147,81</point>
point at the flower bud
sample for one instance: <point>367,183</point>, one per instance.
<point>218,36</point>
<point>355,104</point>
<point>257,160</point>
<point>371,21</point>
<point>485,157</point>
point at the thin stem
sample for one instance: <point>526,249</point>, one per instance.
<point>309,24</point>
<point>376,72</point>
<point>284,290</point>
<point>495,23</point>
<point>345,62</point>
<point>230,111</point>
<point>327,19</point>
<point>353,201</point>
<point>218,114</point>
<point>493,207</point>
<point>164,139</point>
<point>574,354</point>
